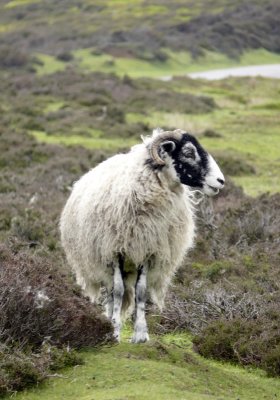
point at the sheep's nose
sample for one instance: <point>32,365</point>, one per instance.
<point>221,181</point>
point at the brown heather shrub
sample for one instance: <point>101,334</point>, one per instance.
<point>12,57</point>
<point>255,342</point>
<point>39,304</point>
<point>194,307</point>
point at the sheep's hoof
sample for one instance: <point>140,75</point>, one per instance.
<point>140,337</point>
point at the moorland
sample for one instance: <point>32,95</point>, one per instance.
<point>82,80</point>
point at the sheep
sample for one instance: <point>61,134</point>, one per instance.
<point>129,222</point>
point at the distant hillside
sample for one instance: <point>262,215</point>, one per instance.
<point>139,28</point>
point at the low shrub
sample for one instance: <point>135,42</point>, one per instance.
<point>13,58</point>
<point>219,339</point>
<point>21,369</point>
<point>255,343</point>
<point>5,185</point>
<point>211,133</point>
<point>27,226</point>
<point>43,318</point>
<point>39,303</point>
<point>5,219</point>
<point>271,361</point>
<point>17,370</point>
<point>116,114</point>
<point>196,306</point>
<point>65,56</point>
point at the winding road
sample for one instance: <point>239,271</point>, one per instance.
<point>265,71</point>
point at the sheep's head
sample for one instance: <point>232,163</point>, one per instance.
<point>193,165</point>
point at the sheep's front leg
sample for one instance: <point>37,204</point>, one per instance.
<point>140,326</point>
<point>118,291</point>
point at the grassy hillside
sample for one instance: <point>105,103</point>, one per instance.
<point>166,368</point>
<point>177,63</point>
<point>158,38</point>
<point>148,25</point>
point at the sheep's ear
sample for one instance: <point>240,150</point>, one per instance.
<point>168,146</point>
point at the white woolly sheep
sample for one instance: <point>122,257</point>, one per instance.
<point>129,222</point>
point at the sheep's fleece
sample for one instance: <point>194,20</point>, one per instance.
<point>127,206</point>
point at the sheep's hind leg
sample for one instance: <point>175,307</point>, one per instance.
<point>118,291</point>
<point>109,306</point>
<point>140,326</point>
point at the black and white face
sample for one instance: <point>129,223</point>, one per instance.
<point>194,166</point>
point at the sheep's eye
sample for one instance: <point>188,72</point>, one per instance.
<point>189,153</point>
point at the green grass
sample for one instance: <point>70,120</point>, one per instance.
<point>133,67</point>
<point>144,10</point>
<point>54,106</point>
<point>4,28</point>
<point>49,65</point>
<point>124,3</point>
<point>17,3</point>
<point>178,63</point>
<point>93,142</point>
<point>166,368</point>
